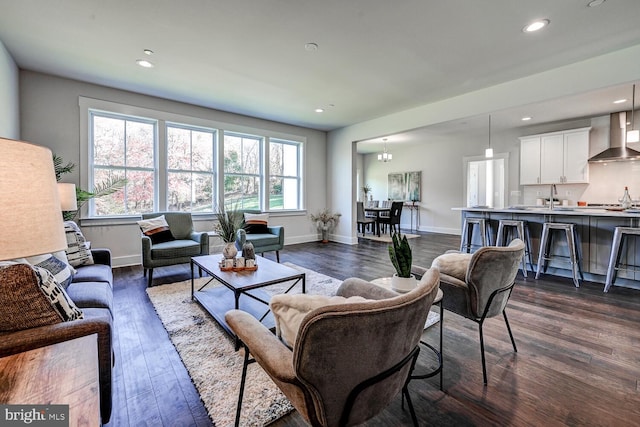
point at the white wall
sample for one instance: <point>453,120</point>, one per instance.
<point>9,100</point>
<point>51,117</point>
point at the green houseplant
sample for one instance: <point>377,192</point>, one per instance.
<point>401,258</point>
<point>101,189</point>
<point>325,221</point>
<point>229,222</point>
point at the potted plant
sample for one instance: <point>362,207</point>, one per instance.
<point>101,189</point>
<point>400,255</point>
<point>366,189</point>
<point>325,221</point>
<point>229,222</point>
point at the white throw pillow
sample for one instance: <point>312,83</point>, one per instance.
<point>56,263</point>
<point>453,264</point>
<point>157,229</point>
<point>78,252</point>
<point>289,310</point>
<point>256,223</point>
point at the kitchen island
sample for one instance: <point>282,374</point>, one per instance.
<point>595,227</point>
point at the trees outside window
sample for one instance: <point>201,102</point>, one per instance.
<point>123,146</point>
<point>190,169</point>
<point>178,163</point>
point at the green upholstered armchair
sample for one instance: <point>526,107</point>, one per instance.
<point>272,240</point>
<point>324,376</point>
<point>188,243</point>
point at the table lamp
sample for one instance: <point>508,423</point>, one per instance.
<point>67,194</point>
<point>31,217</point>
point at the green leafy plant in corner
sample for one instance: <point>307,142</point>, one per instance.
<point>104,188</point>
<point>400,254</point>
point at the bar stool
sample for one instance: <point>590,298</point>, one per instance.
<point>575,255</point>
<point>616,252</point>
<point>468,228</point>
<point>521,231</point>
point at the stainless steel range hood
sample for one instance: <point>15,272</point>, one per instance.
<point>617,151</point>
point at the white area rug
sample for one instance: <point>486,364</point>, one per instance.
<point>385,238</point>
<point>208,353</point>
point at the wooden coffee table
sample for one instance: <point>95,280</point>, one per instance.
<point>241,289</point>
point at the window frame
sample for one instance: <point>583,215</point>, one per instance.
<point>160,155</point>
<point>269,175</point>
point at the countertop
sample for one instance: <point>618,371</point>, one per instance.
<point>560,210</point>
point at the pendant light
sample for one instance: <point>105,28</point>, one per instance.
<point>633,135</point>
<point>488,153</point>
<point>385,156</point>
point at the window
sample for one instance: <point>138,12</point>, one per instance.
<point>123,147</point>
<point>190,169</point>
<point>284,174</point>
<point>242,171</point>
<point>180,163</point>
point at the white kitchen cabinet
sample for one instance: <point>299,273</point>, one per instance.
<point>530,160</point>
<point>576,156</point>
<point>555,158</point>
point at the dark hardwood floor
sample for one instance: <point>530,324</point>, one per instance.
<point>578,360</point>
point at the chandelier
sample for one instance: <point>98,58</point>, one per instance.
<point>385,156</point>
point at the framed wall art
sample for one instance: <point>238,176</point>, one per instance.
<point>404,186</point>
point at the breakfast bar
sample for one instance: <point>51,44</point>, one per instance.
<point>594,228</point>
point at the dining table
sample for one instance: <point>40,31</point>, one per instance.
<point>378,211</point>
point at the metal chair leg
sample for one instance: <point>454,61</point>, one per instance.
<point>504,313</point>
<point>405,391</point>
<point>484,363</point>
<point>242,383</point>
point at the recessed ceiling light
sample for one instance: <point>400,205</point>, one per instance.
<point>144,63</point>
<point>526,119</point>
<point>620,101</point>
<point>319,110</point>
<point>148,52</point>
<point>536,26</point>
<point>310,47</point>
<point>595,3</point>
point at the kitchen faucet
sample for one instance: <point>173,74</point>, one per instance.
<point>553,191</point>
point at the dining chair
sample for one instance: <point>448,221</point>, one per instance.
<point>362,221</point>
<point>393,219</point>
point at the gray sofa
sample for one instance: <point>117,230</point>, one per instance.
<point>92,291</point>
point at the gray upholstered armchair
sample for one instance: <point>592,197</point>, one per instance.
<point>323,375</point>
<point>187,243</point>
<point>478,286</point>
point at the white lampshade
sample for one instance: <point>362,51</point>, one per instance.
<point>30,215</point>
<point>67,194</point>
<point>488,153</point>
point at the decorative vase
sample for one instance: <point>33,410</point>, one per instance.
<point>324,229</point>
<point>248,251</point>
<point>403,284</point>
<point>229,251</point>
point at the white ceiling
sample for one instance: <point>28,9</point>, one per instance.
<point>374,57</point>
